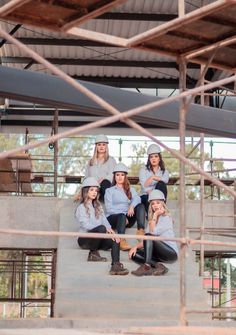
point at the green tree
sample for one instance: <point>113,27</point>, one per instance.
<point>172,165</point>
<point>73,155</point>
<point>10,141</point>
<point>137,160</point>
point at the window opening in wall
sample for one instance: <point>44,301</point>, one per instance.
<point>27,283</point>
<point>220,282</point>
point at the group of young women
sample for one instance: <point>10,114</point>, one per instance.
<point>107,181</point>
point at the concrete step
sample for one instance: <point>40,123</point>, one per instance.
<point>78,326</point>
<point>85,290</point>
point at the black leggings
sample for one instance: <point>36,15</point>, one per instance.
<point>118,221</point>
<point>100,243</point>
<point>159,186</point>
<point>103,186</point>
<point>153,252</point>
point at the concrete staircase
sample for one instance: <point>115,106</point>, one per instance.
<point>86,292</point>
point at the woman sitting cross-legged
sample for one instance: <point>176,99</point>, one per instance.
<point>123,205</point>
<point>91,218</point>
<point>151,253</point>
<point>154,175</point>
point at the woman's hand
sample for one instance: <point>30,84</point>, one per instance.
<point>159,211</point>
<point>132,251</point>
<point>111,231</point>
<point>150,180</point>
<point>131,211</point>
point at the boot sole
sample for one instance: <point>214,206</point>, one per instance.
<point>155,273</point>
<point>115,273</point>
<point>97,260</point>
<point>142,275</point>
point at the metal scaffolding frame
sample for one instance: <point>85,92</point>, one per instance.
<point>141,42</point>
<point>18,270</point>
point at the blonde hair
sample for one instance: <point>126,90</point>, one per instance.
<point>94,159</point>
<point>151,212</point>
<point>82,198</point>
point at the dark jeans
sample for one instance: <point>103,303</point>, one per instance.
<point>155,251</point>
<point>118,221</point>
<point>103,186</point>
<point>159,186</point>
<point>100,243</point>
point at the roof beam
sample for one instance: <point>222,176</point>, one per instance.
<point>126,82</point>
<point>60,42</point>
<point>137,17</point>
<point>12,32</point>
<point>100,62</point>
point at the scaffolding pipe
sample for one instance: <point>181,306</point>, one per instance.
<point>202,207</point>
<point>55,128</point>
<point>235,204</point>
<point>193,149</point>
<point>181,8</point>
<point>182,232</point>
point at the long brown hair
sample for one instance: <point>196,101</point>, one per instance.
<point>94,159</point>
<point>126,184</point>
<point>161,164</point>
<point>82,198</point>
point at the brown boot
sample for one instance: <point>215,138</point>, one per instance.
<point>143,270</point>
<point>124,245</point>
<point>94,256</point>
<point>140,232</point>
<point>160,269</point>
<point>118,269</point>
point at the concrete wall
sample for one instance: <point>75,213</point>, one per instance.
<point>32,213</point>
<point>29,213</point>
<point>193,220</point>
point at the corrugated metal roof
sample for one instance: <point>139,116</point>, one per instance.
<point>123,28</point>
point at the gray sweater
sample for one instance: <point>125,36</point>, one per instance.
<point>101,171</point>
<point>164,228</point>
<point>87,222</point>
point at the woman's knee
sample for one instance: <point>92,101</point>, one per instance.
<point>101,229</point>
<point>140,208</point>
<point>161,186</point>
<point>121,218</point>
<point>105,184</point>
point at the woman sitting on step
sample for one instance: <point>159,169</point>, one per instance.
<point>150,253</point>
<point>101,165</point>
<point>123,205</point>
<point>91,219</point>
<point>154,175</point>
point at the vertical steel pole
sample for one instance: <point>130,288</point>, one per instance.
<point>235,204</point>
<point>211,168</point>
<point>202,206</point>
<point>181,7</point>
<point>182,124</point>
<point>202,182</point>
<point>55,123</point>
<point>120,146</point>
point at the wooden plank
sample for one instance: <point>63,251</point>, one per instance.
<point>11,6</point>
<point>101,7</point>
<point>177,23</point>
<point>22,164</point>
<point>7,176</point>
<point>55,15</point>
